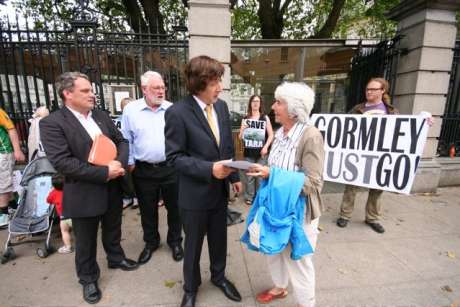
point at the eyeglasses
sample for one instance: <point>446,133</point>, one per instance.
<point>373,89</point>
<point>159,88</point>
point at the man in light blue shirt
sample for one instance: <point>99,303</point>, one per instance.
<point>143,126</point>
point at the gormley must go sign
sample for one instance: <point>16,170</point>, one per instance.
<point>379,152</point>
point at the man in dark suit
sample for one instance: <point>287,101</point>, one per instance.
<point>198,139</point>
<point>92,194</point>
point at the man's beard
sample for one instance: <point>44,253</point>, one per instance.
<point>157,101</point>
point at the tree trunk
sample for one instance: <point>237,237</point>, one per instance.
<point>153,16</point>
<point>331,22</point>
<point>134,16</point>
<point>271,18</point>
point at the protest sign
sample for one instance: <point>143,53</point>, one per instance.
<point>379,152</point>
<point>254,134</point>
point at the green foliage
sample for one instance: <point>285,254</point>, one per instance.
<point>304,18</point>
<point>174,13</point>
<point>245,23</point>
<point>110,14</point>
<point>361,20</point>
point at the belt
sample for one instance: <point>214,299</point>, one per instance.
<point>144,163</point>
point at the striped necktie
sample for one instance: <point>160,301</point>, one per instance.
<point>211,122</point>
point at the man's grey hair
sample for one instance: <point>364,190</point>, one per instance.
<point>66,81</point>
<point>299,97</point>
<point>145,78</point>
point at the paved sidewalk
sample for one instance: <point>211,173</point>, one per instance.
<point>416,262</point>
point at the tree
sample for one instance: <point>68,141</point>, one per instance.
<point>300,19</point>
<point>154,16</point>
<point>251,19</point>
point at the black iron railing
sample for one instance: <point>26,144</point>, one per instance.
<point>449,138</point>
<point>31,59</point>
<point>369,62</point>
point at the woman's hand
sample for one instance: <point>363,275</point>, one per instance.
<point>257,170</point>
<point>264,152</point>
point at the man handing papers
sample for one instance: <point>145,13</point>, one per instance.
<point>240,164</point>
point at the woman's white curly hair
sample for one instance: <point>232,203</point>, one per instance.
<point>299,98</point>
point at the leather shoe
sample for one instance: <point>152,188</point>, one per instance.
<point>188,300</point>
<point>177,252</point>
<point>146,254</point>
<point>377,227</point>
<point>341,222</point>
<point>125,265</point>
<point>229,290</point>
<point>91,293</point>
<point>266,296</point>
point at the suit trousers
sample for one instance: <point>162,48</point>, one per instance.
<point>148,182</point>
<point>198,223</point>
<point>373,205</point>
<point>127,186</point>
<point>85,230</point>
<point>301,273</point>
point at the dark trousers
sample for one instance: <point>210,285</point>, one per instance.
<point>85,230</point>
<point>149,181</point>
<point>126,183</point>
<point>198,223</point>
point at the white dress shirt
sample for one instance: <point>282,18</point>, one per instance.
<point>214,114</point>
<point>87,122</point>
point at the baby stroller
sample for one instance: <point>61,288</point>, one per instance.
<point>33,214</point>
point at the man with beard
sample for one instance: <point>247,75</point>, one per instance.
<point>143,126</point>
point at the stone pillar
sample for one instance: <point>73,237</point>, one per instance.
<point>209,28</point>
<point>429,28</point>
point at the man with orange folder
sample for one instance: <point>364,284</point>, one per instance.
<point>92,193</point>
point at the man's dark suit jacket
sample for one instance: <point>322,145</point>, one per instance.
<point>192,148</point>
<point>67,146</point>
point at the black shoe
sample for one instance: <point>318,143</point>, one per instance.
<point>146,254</point>
<point>188,300</point>
<point>125,265</point>
<point>376,227</point>
<point>229,290</point>
<point>177,252</point>
<point>91,293</point>
<point>341,222</point>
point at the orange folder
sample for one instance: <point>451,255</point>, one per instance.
<point>103,151</point>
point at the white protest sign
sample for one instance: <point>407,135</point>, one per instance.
<point>379,152</point>
<point>254,134</point>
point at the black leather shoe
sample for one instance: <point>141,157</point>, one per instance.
<point>188,300</point>
<point>91,293</point>
<point>125,265</point>
<point>341,222</point>
<point>377,227</point>
<point>229,290</point>
<point>177,252</point>
<point>146,254</point>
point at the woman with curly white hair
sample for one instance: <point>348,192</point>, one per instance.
<point>297,147</point>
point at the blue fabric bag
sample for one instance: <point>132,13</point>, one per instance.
<point>277,215</point>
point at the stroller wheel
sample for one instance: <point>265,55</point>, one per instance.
<point>8,255</point>
<point>42,253</point>
<point>50,249</point>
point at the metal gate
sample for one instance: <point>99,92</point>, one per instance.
<point>449,138</point>
<point>369,62</point>
<point>30,61</point>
